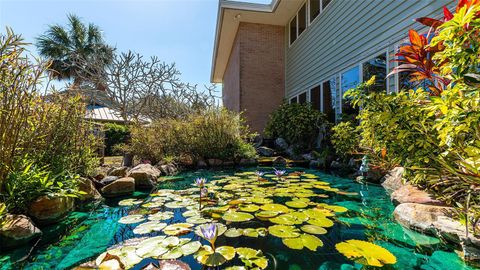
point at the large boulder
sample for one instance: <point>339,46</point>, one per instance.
<point>430,219</point>
<point>247,162</point>
<point>120,187</point>
<point>281,144</point>
<point>48,210</point>
<point>17,230</point>
<point>214,162</point>
<point>168,169</point>
<point>109,179</point>
<point>145,175</point>
<point>91,193</point>
<point>393,179</point>
<point>265,151</point>
<point>280,161</point>
<point>411,194</point>
<point>118,171</point>
<point>201,164</point>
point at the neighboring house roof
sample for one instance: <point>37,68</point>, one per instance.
<point>102,114</point>
<point>231,13</point>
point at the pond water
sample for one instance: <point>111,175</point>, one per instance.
<point>365,214</point>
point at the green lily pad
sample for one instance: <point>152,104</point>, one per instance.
<point>178,229</point>
<point>160,216</point>
<point>129,202</point>
<point>172,254</point>
<point>335,208</point>
<point>274,207</point>
<point>208,257</point>
<point>177,204</point>
<point>131,219</point>
<point>297,204</point>
<point>148,227</point>
<point>251,257</point>
<point>250,232</point>
<point>190,248</point>
<point>265,215</point>
<point>234,232</point>
<point>249,207</point>
<point>155,246</point>
<point>294,218</point>
<point>321,221</point>
<point>197,220</point>
<point>127,256</point>
<point>191,213</point>
<point>237,216</point>
<point>313,229</point>
<point>283,231</point>
<point>304,241</point>
<point>366,253</point>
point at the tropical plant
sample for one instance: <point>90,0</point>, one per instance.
<point>115,135</point>
<point>298,124</point>
<point>61,45</point>
<point>345,139</point>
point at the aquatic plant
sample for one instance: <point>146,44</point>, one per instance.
<point>210,233</point>
<point>279,173</point>
<point>200,183</point>
<point>366,253</point>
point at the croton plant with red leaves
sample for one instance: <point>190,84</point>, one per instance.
<point>416,58</point>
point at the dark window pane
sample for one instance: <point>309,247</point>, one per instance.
<point>315,97</point>
<point>302,19</point>
<point>325,3</point>
<point>328,101</point>
<point>376,66</point>
<point>314,9</point>
<point>349,79</point>
<point>293,30</point>
<point>293,100</point>
<point>302,98</point>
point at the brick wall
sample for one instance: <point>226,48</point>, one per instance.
<point>257,63</point>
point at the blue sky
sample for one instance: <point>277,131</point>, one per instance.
<point>180,31</point>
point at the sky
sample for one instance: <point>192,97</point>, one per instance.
<point>180,31</point>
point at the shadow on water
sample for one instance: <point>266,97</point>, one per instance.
<point>84,234</point>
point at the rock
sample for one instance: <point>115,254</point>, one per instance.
<point>48,210</point>
<point>201,164</point>
<point>292,153</point>
<point>265,151</point>
<point>336,165</point>
<point>228,163</point>
<point>374,175</point>
<point>168,169</point>
<point>281,144</point>
<point>119,171</point>
<point>316,163</point>
<point>109,179</point>
<point>247,162</point>
<point>99,176</point>
<point>120,187</point>
<point>145,175</point>
<point>354,163</point>
<point>214,162</point>
<point>280,161</point>
<point>87,186</point>
<point>257,141</point>
<point>308,156</point>
<point>17,230</point>
<point>430,219</point>
<point>411,194</point>
<point>393,179</point>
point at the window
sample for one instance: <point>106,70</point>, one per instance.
<point>293,29</point>
<point>349,79</point>
<point>376,66</point>
<point>314,9</point>
<point>315,97</point>
<point>302,19</point>
<point>328,100</point>
<point>302,98</point>
<point>325,3</point>
<point>293,100</point>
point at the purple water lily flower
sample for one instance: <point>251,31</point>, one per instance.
<point>279,173</point>
<point>210,233</point>
<point>259,174</point>
<point>200,182</point>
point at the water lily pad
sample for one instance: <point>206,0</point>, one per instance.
<point>296,204</point>
<point>290,218</point>
<point>265,215</point>
<point>129,202</point>
<point>161,216</point>
<point>283,231</point>
<point>154,246</point>
<point>131,219</point>
<point>274,207</point>
<point>148,227</point>
<point>313,229</point>
<point>251,257</point>
<point>172,254</point>
<point>249,207</point>
<point>321,221</point>
<point>126,255</point>
<point>366,253</point>
<point>208,257</point>
<point>190,248</point>
<point>234,232</point>
<point>335,208</point>
<point>237,216</point>
<point>177,204</point>
<point>250,232</point>
<point>197,220</point>
<point>178,229</point>
<point>260,200</point>
<point>304,241</point>
<point>191,213</point>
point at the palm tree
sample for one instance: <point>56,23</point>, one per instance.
<point>62,45</point>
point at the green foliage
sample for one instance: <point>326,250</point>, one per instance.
<point>296,123</point>
<point>214,133</point>
<point>345,139</point>
<point>115,135</point>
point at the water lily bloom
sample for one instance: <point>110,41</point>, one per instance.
<point>259,173</point>
<point>279,173</point>
<point>200,182</point>
<point>210,233</point>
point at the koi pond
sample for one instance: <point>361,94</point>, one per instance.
<point>249,219</point>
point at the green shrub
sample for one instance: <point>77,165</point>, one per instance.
<point>213,133</point>
<point>115,135</point>
<point>345,139</point>
<point>296,123</point>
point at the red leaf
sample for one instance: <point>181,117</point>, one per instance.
<point>460,4</point>
<point>447,14</point>
<point>415,39</point>
<point>429,22</point>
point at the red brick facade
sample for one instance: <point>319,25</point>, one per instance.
<point>254,80</point>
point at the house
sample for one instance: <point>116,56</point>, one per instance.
<point>309,51</point>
